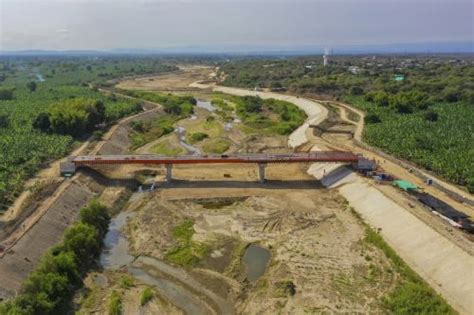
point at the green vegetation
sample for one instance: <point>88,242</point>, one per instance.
<point>145,132</point>
<point>179,106</point>
<point>41,119</point>
<point>286,288</point>
<point>217,146</point>
<point>412,118</point>
<point>426,137</point>
<point>146,296</point>
<point>176,108</point>
<point>115,304</point>
<point>6,94</point>
<point>73,117</point>
<point>50,286</point>
<point>166,148</point>
<point>197,136</point>
<point>186,252</point>
<point>269,115</point>
<point>412,295</point>
<point>264,115</point>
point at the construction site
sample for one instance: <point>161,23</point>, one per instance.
<point>242,221</point>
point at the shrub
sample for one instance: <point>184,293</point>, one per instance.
<point>6,94</point>
<point>115,304</point>
<point>4,120</point>
<point>146,296</point>
<point>198,136</point>
<point>356,90</point>
<point>431,116</point>
<point>372,118</point>
<point>31,86</point>
<point>42,122</point>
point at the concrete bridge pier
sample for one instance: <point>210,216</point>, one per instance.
<point>261,172</point>
<point>169,172</point>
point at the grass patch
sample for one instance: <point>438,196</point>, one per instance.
<point>187,252</point>
<point>218,146</point>
<point>126,282</point>
<point>145,132</point>
<point>146,296</point>
<point>166,148</point>
<point>115,304</point>
<point>353,116</point>
<point>196,137</point>
<point>412,295</point>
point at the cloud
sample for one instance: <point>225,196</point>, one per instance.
<point>62,31</point>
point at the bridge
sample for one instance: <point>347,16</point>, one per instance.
<point>261,159</point>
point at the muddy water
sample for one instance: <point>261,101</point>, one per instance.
<point>148,270</point>
<point>115,254</point>
<point>256,259</point>
<point>181,131</point>
<point>206,105</point>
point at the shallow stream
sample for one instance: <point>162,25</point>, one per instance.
<point>156,273</point>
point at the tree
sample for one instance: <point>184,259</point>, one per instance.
<point>76,116</point>
<point>431,116</point>
<point>4,120</point>
<point>95,214</point>
<point>46,290</point>
<point>381,99</point>
<point>6,94</point>
<point>451,95</point>
<point>372,118</point>
<point>42,122</point>
<point>84,241</point>
<point>31,86</point>
<point>252,104</point>
<point>356,90</point>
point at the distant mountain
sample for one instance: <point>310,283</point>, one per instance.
<point>399,48</point>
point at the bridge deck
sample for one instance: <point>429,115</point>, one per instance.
<point>325,156</point>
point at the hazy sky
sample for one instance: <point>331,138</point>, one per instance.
<point>284,24</point>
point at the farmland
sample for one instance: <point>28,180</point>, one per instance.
<point>25,148</point>
<point>441,145</point>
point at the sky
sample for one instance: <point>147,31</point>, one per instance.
<point>230,24</point>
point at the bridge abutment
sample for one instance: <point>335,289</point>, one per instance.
<point>169,173</point>
<point>261,172</point>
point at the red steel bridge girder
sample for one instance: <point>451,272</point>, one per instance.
<point>267,158</point>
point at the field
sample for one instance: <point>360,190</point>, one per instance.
<point>29,87</point>
<point>441,145</point>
